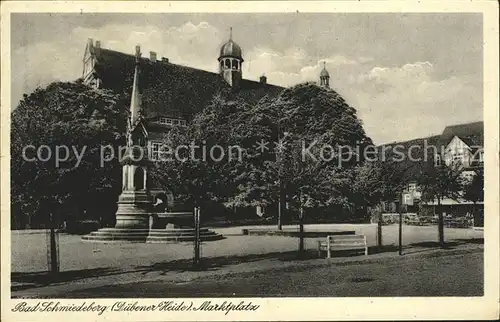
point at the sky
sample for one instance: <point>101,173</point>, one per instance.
<point>407,75</point>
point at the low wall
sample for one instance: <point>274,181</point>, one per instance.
<point>295,233</point>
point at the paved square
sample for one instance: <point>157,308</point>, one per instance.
<point>29,251</point>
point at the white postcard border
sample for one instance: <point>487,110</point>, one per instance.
<point>486,307</point>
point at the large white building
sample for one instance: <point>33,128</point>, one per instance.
<point>458,145</point>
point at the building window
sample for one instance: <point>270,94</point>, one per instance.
<point>170,121</point>
<point>457,159</point>
<point>155,151</point>
<point>437,160</point>
<point>228,63</point>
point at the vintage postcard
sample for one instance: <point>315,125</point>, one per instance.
<point>258,161</point>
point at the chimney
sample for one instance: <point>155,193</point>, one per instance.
<point>90,42</point>
<point>97,44</point>
<point>164,60</point>
<point>263,79</point>
<point>152,56</point>
<point>137,53</point>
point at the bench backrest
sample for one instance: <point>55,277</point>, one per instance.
<point>346,239</point>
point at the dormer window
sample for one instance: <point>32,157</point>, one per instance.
<point>164,120</point>
<point>171,121</point>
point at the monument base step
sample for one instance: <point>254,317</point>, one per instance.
<point>105,235</point>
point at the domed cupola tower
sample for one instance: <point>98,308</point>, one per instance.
<point>324,77</point>
<point>230,60</point>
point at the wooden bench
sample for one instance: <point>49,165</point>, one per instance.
<point>342,242</point>
<point>415,222</point>
<point>428,220</point>
<point>457,223</point>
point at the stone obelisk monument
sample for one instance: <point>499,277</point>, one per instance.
<point>135,201</point>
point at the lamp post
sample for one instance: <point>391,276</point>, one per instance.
<point>281,186</point>
<point>280,201</point>
<point>301,218</point>
<point>401,201</point>
<point>53,258</point>
<point>196,259</point>
<point>301,227</point>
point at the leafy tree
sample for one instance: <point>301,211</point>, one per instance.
<point>304,118</point>
<point>378,181</point>
<point>206,169</point>
<point>299,116</point>
<point>474,190</point>
<point>371,185</point>
<point>438,182</point>
<point>82,119</point>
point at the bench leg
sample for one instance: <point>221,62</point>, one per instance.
<point>328,253</point>
<point>366,251</point>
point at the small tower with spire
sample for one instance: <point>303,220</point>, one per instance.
<point>324,77</point>
<point>230,61</point>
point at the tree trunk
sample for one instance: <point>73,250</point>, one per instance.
<point>281,205</point>
<point>473,213</point>
<point>29,222</point>
<point>440,223</point>
<point>379,229</point>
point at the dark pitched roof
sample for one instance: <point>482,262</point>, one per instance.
<point>169,89</point>
<point>471,133</point>
<point>429,141</point>
<point>415,154</point>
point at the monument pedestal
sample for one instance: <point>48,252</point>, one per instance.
<point>134,209</point>
<point>135,223</point>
